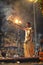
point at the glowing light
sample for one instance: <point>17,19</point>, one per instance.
<point>17,22</point>
<point>20,22</point>
<point>14,20</point>
<point>33,1</point>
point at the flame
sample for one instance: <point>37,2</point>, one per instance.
<point>13,19</point>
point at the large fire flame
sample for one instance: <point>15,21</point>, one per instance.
<point>17,22</point>
<point>14,20</point>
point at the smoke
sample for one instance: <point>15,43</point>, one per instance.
<point>17,8</point>
<point>5,9</point>
<point>8,7</point>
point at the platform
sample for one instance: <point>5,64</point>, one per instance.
<point>19,59</point>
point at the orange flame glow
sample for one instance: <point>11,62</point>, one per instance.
<point>13,20</point>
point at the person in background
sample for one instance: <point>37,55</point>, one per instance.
<point>3,53</point>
